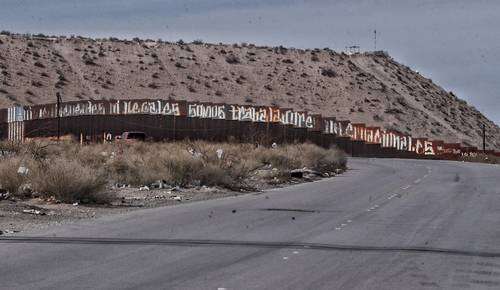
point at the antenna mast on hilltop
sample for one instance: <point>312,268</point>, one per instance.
<point>484,138</point>
<point>375,39</point>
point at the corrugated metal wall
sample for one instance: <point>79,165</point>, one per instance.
<point>95,121</point>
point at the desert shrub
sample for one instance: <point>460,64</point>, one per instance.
<point>10,179</point>
<point>280,158</point>
<point>10,148</point>
<point>68,181</point>
<point>12,98</point>
<point>133,169</point>
<point>328,72</point>
<point>482,158</point>
<point>153,86</point>
<point>290,157</point>
<point>180,167</point>
<point>37,84</point>
<point>320,159</point>
<point>39,64</point>
<point>91,156</point>
<point>211,174</point>
<point>232,59</point>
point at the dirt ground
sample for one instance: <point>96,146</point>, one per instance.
<point>19,215</point>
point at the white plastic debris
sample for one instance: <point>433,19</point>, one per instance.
<point>22,170</point>
<point>178,198</point>
<point>33,211</point>
<point>143,188</point>
<point>75,204</point>
<point>194,153</point>
<point>220,153</point>
<point>159,184</point>
<point>6,232</point>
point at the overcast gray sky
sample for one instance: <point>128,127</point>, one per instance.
<point>454,42</point>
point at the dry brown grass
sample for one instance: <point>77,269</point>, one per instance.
<point>10,179</point>
<point>71,172</point>
<point>68,181</point>
<point>482,158</point>
<point>311,156</point>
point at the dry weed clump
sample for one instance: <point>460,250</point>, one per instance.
<point>482,158</point>
<point>10,179</point>
<point>68,181</point>
<point>290,157</point>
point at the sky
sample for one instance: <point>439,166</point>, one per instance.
<point>454,42</point>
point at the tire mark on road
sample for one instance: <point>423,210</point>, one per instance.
<point>202,243</point>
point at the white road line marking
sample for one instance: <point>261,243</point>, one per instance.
<point>349,221</point>
<point>417,181</point>
<point>337,229</point>
<point>405,187</point>
<point>285,258</point>
<point>343,225</point>
<point>295,252</point>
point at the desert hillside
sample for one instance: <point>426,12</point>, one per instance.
<point>371,87</point>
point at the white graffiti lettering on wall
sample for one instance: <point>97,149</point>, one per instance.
<point>376,135</point>
<point>159,107</point>
<point>299,119</point>
<point>207,111</point>
<point>148,107</point>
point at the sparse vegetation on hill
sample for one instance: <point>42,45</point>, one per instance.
<point>367,88</point>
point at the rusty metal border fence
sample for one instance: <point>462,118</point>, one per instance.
<point>168,120</point>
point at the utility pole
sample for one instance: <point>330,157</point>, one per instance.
<point>484,138</point>
<point>58,105</point>
<point>375,39</point>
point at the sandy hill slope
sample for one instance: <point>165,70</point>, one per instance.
<point>371,87</point>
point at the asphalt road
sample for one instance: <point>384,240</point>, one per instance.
<point>385,224</point>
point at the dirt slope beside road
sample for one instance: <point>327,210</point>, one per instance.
<point>371,88</point>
